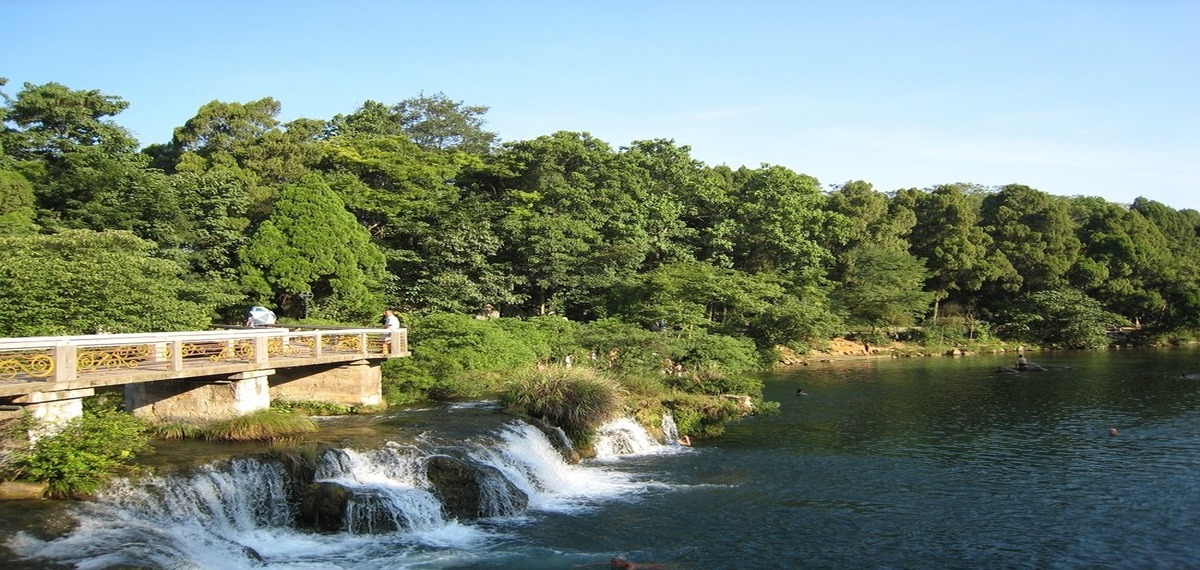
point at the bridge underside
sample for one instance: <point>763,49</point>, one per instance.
<point>203,400</point>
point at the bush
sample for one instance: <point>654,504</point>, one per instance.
<point>578,400</point>
<point>1060,319</point>
<point>313,408</point>
<point>84,453</point>
<point>263,425</point>
<point>713,352</point>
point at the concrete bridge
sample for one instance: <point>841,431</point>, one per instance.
<point>196,377</point>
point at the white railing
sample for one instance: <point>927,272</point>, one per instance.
<point>66,358</point>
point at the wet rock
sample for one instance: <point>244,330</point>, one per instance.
<point>469,490</point>
<point>323,507</point>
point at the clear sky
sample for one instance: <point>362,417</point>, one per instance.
<point>1072,97</point>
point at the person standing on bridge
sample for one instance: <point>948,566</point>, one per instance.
<point>390,322</point>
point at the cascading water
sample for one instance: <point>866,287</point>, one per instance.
<point>670,430</point>
<point>238,514</point>
<point>626,437</point>
<point>388,489</point>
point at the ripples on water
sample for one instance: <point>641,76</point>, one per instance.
<point>949,463</point>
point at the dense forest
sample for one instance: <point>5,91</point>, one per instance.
<point>415,206</point>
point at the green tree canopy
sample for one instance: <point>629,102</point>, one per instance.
<point>1063,318</point>
<point>84,282</point>
<point>311,244</point>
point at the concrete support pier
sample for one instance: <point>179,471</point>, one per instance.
<point>358,383</point>
<point>55,407</point>
<point>200,401</point>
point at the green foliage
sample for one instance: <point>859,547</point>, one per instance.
<point>177,430</point>
<point>79,282</point>
<point>413,206</point>
<point>79,456</point>
<point>264,425</point>
<point>311,244</point>
<point>469,343</point>
<point>578,400</point>
<point>313,408</point>
<point>716,353</point>
<point>626,348</point>
<point>883,288</point>
<point>1060,319</point>
<point>715,383</point>
<point>16,203</point>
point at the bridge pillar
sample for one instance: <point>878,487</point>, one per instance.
<point>200,401</point>
<point>357,383</point>
<point>56,407</point>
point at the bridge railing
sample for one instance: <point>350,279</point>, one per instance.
<point>65,358</point>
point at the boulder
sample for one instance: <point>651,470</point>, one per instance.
<point>14,490</point>
<point>323,507</point>
<point>469,491</point>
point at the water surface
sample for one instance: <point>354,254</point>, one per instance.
<point>906,463</point>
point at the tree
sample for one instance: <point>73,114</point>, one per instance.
<point>311,244</point>
<point>1034,232</point>
<point>54,120</point>
<point>883,287</point>
<point>1125,259</point>
<point>950,241</point>
<point>16,203</point>
<point>84,282</point>
<point>214,224</point>
<point>571,225</point>
<point>436,122</point>
<point>1064,318</point>
<point>433,122</point>
<point>84,168</point>
<point>221,127</point>
<point>781,224</point>
<point>870,218</point>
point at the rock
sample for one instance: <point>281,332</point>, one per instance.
<point>470,491</point>
<point>15,490</point>
<point>323,507</point>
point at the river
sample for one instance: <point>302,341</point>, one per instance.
<point>905,463</point>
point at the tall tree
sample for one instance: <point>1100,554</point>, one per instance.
<point>950,241</point>
<point>312,245</point>
<point>1034,232</point>
<point>570,224</point>
<point>782,225</point>
<point>84,168</point>
<point>437,122</point>
<point>883,287</point>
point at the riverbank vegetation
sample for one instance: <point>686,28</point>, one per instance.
<point>76,458</point>
<point>639,263</point>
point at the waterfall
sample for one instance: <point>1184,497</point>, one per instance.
<point>208,518</point>
<point>626,437</point>
<point>389,489</point>
<point>242,514</point>
<point>670,430</point>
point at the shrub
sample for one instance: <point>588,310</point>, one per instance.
<point>263,425</point>
<point>313,408</point>
<point>714,352</point>
<point>578,400</point>
<point>82,455</point>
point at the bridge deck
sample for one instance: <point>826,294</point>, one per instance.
<point>43,364</point>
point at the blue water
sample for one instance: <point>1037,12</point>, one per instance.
<point>932,463</point>
<point>907,463</point>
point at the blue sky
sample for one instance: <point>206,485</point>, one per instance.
<point>1096,98</point>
